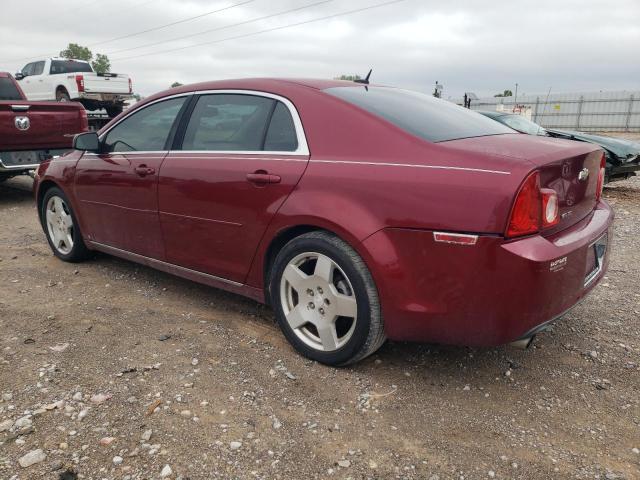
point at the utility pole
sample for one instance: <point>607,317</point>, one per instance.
<point>516,97</point>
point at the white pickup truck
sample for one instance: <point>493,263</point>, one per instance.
<point>64,80</point>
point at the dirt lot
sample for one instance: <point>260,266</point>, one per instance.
<point>115,371</point>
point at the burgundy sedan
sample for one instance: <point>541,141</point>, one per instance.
<point>358,212</point>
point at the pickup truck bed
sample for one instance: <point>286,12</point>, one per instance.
<point>31,131</point>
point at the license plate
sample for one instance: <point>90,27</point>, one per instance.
<point>23,158</point>
<point>595,259</point>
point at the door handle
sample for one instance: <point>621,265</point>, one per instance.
<point>143,170</point>
<point>261,177</point>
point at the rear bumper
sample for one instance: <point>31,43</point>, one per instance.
<point>487,294</point>
<point>12,162</point>
<point>106,97</point>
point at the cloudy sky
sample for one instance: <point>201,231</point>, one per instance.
<point>467,45</point>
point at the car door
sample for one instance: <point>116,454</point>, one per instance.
<point>38,84</point>
<point>238,158</point>
<point>117,188</point>
<point>25,83</point>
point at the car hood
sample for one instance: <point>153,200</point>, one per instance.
<point>625,150</point>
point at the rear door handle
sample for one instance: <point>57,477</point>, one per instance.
<point>263,178</point>
<point>143,170</point>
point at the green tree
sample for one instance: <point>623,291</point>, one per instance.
<point>506,93</point>
<point>176,84</point>
<point>101,63</point>
<point>350,78</point>
<point>77,52</point>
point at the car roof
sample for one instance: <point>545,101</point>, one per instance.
<point>4,74</point>
<point>277,86</point>
<point>259,83</point>
<point>69,59</point>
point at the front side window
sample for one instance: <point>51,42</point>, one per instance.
<point>68,66</point>
<point>8,90</point>
<point>146,130</point>
<point>422,115</point>
<point>28,69</point>
<point>38,68</point>
<point>228,122</point>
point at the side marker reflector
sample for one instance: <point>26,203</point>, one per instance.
<point>456,238</point>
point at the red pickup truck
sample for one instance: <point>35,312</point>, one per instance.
<point>31,132</point>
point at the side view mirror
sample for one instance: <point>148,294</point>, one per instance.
<point>87,141</point>
<point>19,76</point>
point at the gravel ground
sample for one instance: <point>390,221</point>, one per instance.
<point>110,370</point>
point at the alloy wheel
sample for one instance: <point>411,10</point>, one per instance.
<point>59,225</point>
<point>318,301</point>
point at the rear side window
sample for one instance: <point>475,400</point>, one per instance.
<point>146,130</point>
<point>68,66</point>
<point>281,135</point>
<point>421,115</point>
<point>228,122</point>
<point>8,90</point>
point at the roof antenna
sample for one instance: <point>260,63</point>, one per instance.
<point>364,80</point>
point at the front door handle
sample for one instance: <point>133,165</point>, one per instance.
<point>261,177</point>
<point>143,170</point>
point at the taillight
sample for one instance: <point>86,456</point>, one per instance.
<point>130,86</point>
<point>549,207</point>
<point>80,82</point>
<point>84,119</point>
<point>526,212</point>
<point>603,166</point>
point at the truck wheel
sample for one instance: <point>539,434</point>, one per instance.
<point>113,111</point>
<point>62,96</point>
<point>61,227</point>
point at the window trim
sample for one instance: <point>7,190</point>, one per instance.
<point>303,147</point>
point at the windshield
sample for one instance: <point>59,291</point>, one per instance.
<point>69,66</point>
<point>419,114</point>
<point>8,90</point>
<point>521,124</point>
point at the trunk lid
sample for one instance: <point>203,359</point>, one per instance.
<point>106,83</point>
<point>50,125</point>
<point>570,168</point>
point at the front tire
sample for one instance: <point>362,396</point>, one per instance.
<point>61,227</point>
<point>325,300</point>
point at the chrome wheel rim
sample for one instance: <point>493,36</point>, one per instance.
<point>318,301</point>
<point>59,225</point>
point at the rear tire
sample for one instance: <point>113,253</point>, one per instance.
<point>113,111</point>
<point>325,300</point>
<point>61,227</point>
<point>62,96</point>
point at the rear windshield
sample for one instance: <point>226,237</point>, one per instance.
<point>69,66</point>
<point>8,90</point>
<point>419,114</point>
